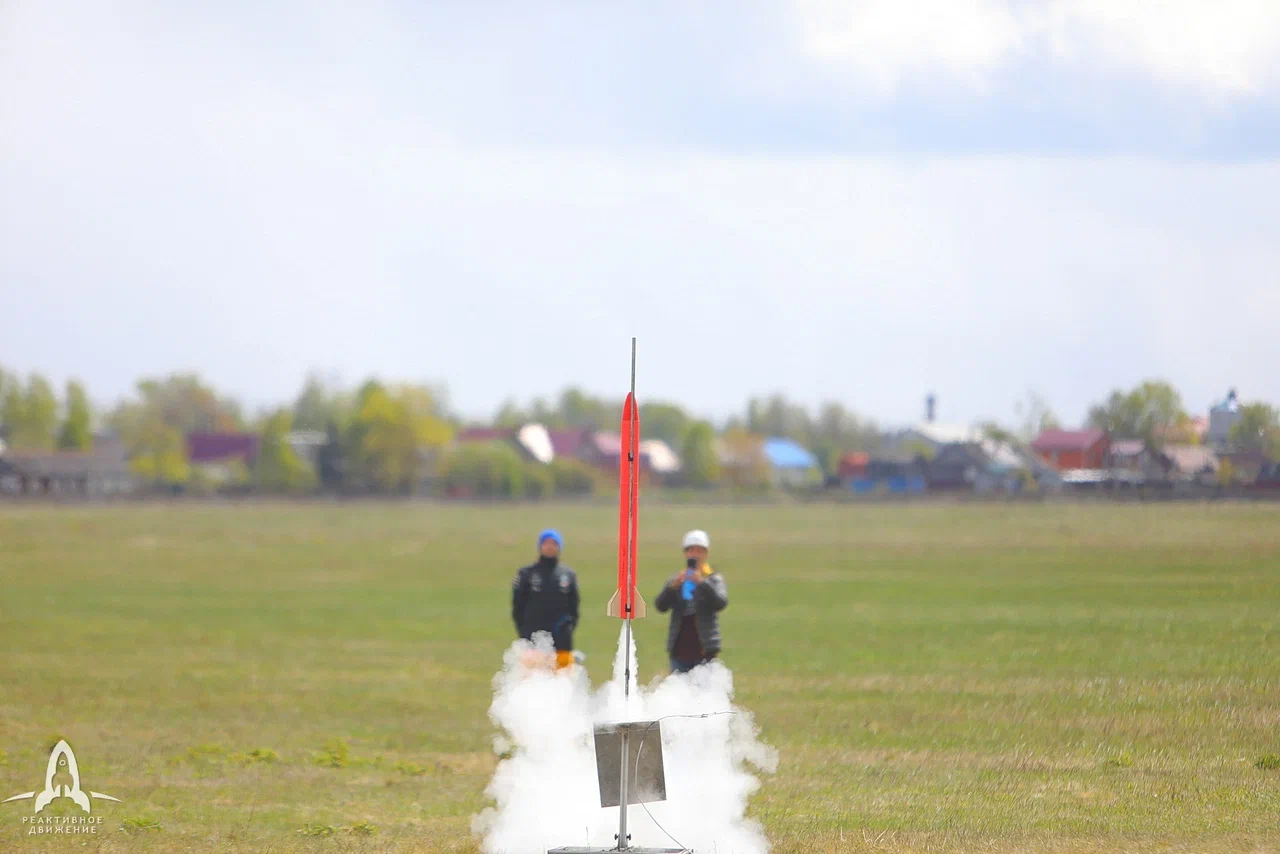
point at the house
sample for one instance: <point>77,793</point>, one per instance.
<point>986,466</point>
<point>955,467</point>
<point>1073,449</point>
<point>1086,480</point>
<point>535,440</point>
<point>569,442</point>
<point>216,456</point>
<point>1191,464</point>
<point>852,466</point>
<point>742,460</point>
<point>929,438</point>
<point>532,441</point>
<point>100,472</point>
<point>604,450</point>
<point>890,474</point>
<point>790,464</point>
<point>1222,417</point>
<point>1268,480</point>
<point>663,462</point>
<point>1132,462</point>
<point>1245,466</point>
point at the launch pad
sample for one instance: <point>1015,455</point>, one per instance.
<point>628,759</point>
<point>622,850</point>
<point>632,753</point>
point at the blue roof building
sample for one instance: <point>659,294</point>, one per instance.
<point>791,464</point>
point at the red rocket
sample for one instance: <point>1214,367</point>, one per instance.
<point>626,602</point>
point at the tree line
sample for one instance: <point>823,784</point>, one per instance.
<point>386,438</point>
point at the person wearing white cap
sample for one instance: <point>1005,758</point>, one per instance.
<point>695,597</point>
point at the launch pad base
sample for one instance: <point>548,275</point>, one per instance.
<point>576,850</point>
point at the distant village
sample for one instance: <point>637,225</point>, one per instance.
<point>180,438</point>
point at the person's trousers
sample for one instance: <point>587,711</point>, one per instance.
<point>686,666</point>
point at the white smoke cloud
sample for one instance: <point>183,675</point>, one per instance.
<point>545,789</point>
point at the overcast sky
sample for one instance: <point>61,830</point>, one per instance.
<point>857,201</point>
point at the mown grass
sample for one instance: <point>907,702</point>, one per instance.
<point>1000,678</point>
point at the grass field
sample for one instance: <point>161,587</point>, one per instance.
<point>994,678</point>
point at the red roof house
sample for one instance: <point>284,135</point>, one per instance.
<point>484,434</point>
<point>853,465</point>
<point>569,442</point>
<point>1073,449</point>
<point>210,448</point>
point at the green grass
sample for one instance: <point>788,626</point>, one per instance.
<point>935,678</point>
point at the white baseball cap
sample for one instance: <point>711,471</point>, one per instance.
<point>697,538</point>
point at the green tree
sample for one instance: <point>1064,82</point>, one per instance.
<point>180,401</point>
<point>154,424</point>
<point>837,431</point>
<point>579,409</point>
<point>12,408</point>
<point>776,416</point>
<point>484,470</point>
<point>993,431</point>
<point>510,416</point>
<point>548,416</point>
<point>1258,430</point>
<point>30,414</point>
<point>320,403</point>
<point>384,451</point>
<point>159,453</point>
<point>665,421</point>
<point>742,463</point>
<point>698,455</point>
<point>539,482</point>
<point>1035,416</point>
<point>1150,412</point>
<point>6,381</point>
<point>392,435</point>
<point>278,468</point>
<point>573,477</point>
<point>76,432</point>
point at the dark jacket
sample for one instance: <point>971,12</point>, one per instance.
<point>544,598</point>
<point>709,599</point>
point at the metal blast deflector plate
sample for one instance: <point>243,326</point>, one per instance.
<point>646,778</point>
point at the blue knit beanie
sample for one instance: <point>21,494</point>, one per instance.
<point>551,534</point>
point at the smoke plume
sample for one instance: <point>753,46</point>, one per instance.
<point>545,788</point>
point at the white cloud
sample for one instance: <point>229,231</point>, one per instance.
<point>1220,49</point>
<point>881,42</point>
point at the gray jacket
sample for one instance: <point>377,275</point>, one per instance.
<point>709,599</point>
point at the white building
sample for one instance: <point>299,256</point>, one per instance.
<point>1222,417</point>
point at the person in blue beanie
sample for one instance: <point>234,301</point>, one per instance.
<point>544,598</point>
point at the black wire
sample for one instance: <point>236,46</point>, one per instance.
<point>640,750</point>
